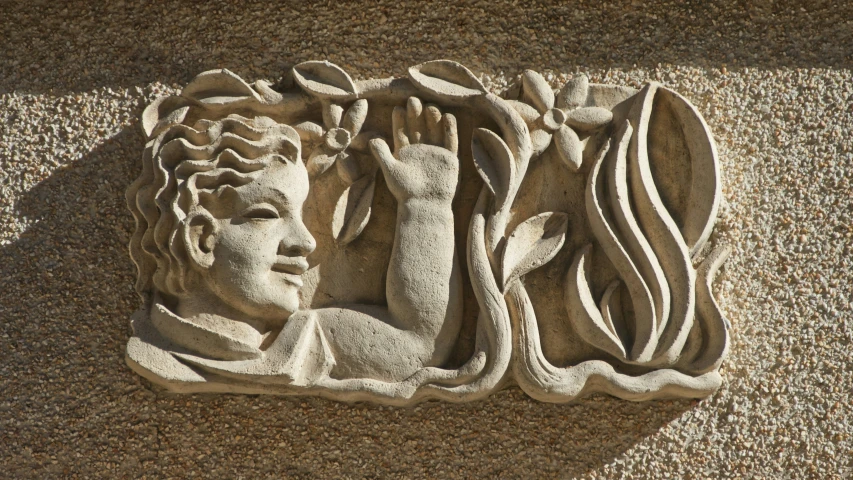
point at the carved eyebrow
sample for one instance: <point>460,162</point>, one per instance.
<point>282,197</point>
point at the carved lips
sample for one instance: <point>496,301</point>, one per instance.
<point>291,269</point>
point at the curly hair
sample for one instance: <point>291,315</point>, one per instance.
<point>182,167</point>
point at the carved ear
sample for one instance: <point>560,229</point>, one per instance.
<point>199,239</point>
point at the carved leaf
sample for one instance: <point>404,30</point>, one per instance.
<point>536,91</point>
<point>494,163</point>
<point>533,244</point>
<point>582,310</point>
<point>267,93</point>
<point>325,80</point>
<point>348,168</point>
<point>319,162</point>
<point>446,78</point>
<point>218,86</point>
<point>353,210</point>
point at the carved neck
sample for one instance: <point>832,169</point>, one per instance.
<point>218,316</point>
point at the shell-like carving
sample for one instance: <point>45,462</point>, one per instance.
<point>446,78</point>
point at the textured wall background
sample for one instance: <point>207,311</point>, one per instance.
<point>773,80</point>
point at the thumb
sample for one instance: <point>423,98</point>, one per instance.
<point>382,154</point>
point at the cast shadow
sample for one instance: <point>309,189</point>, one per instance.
<point>110,44</point>
<point>68,282</point>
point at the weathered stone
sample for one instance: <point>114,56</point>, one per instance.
<point>263,270</point>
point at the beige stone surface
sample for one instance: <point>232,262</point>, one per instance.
<point>773,82</point>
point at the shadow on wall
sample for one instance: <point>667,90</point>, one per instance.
<point>66,292</point>
<point>109,44</point>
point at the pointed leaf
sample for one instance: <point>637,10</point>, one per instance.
<point>536,91</point>
<point>446,78</point>
<point>694,137</point>
<point>494,163</point>
<point>219,86</point>
<point>588,118</point>
<point>324,80</point>
<point>583,312</point>
<point>353,210</point>
<point>319,161</point>
<point>574,93</point>
<point>569,147</point>
<point>532,244</point>
<point>354,117</point>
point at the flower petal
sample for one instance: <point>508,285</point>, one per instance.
<point>536,91</point>
<point>309,132</point>
<point>332,114</point>
<point>354,118</point>
<point>527,113</point>
<point>540,140</point>
<point>569,147</point>
<point>588,118</point>
<point>574,93</point>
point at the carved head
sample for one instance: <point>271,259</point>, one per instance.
<point>218,209</point>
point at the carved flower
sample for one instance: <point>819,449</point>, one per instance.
<point>562,117</point>
<point>334,143</point>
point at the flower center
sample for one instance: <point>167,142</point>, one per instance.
<point>337,139</point>
<point>552,119</point>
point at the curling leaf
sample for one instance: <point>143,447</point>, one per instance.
<point>494,163</point>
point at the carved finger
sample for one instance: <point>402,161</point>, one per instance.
<point>414,117</point>
<point>451,140</point>
<point>382,154</point>
<point>434,130</point>
<point>398,124</point>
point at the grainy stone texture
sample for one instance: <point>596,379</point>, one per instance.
<point>772,80</point>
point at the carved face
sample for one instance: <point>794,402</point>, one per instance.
<point>259,244</point>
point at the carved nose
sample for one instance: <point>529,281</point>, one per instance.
<point>298,243</point>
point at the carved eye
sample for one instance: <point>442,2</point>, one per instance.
<point>261,211</point>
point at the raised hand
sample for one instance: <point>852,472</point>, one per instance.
<point>424,164</point>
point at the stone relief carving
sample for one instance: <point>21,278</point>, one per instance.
<point>418,238</point>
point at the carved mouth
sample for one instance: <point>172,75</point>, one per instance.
<point>291,269</point>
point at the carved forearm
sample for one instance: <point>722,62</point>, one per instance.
<point>423,285</point>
